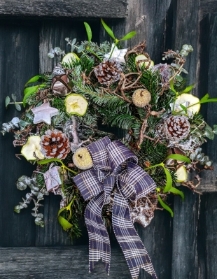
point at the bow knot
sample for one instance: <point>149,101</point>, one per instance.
<point>114,165</point>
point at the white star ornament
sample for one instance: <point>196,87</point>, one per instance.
<point>44,113</point>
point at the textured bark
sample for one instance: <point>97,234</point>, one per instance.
<point>64,8</point>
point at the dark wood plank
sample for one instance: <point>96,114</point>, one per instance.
<point>57,263</point>
<point>208,7</point>
<point>185,223</point>
<point>208,74</point>
<point>157,238</point>
<point>208,234</point>
<point>65,8</point>
<point>18,62</point>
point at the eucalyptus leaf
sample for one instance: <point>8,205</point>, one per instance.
<point>18,107</point>
<point>184,71</point>
<point>179,157</point>
<point>14,98</point>
<point>7,101</point>
<point>165,206</point>
<point>208,132</point>
<point>177,192</point>
<point>108,29</point>
<point>128,36</point>
<point>169,181</point>
<point>215,129</point>
<point>88,30</point>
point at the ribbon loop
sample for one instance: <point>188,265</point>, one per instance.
<point>114,164</point>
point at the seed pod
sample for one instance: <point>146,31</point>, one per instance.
<point>141,97</point>
<point>82,158</point>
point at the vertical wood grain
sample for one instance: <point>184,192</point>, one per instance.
<point>18,62</point>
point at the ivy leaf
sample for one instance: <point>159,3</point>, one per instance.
<point>64,223</point>
<point>7,101</point>
<point>88,30</point>
<point>165,206</point>
<point>179,157</point>
<point>128,36</point>
<point>188,88</point>
<point>108,29</point>
<point>33,79</point>
<point>177,192</point>
<point>169,181</point>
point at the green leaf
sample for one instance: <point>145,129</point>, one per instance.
<point>165,206</point>
<point>169,181</point>
<point>33,79</point>
<point>30,91</point>
<point>108,29</point>
<point>88,30</point>
<point>179,157</point>
<point>7,101</point>
<point>188,88</point>
<point>184,108</point>
<point>128,36</point>
<point>177,192</point>
<point>204,98</point>
<point>172,86</point>
<point>212,100</point>
<point>64,223</point>
<point>18,107</point>
<point>47,161</point>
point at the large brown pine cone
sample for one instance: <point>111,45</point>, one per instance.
<point>176,127</point>
<point>108,72</point>
<point>55,144</point>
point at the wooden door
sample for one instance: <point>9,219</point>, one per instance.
<point>182,247</point>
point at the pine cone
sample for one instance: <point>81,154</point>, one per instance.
<point>55,144</point>
<point>108,72</point>
<point>176,128</point>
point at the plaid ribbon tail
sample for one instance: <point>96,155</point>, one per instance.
<point>133,249</point>
<point>99,244</point>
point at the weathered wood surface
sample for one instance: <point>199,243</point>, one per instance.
<point>65,8</point>
<point>182,247</point>
<point>57,263</point>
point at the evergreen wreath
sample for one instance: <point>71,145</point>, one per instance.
<point>96,87</point>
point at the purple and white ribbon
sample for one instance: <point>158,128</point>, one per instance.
<point>114,165</point>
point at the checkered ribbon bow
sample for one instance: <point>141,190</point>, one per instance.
<point>114,164</point>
